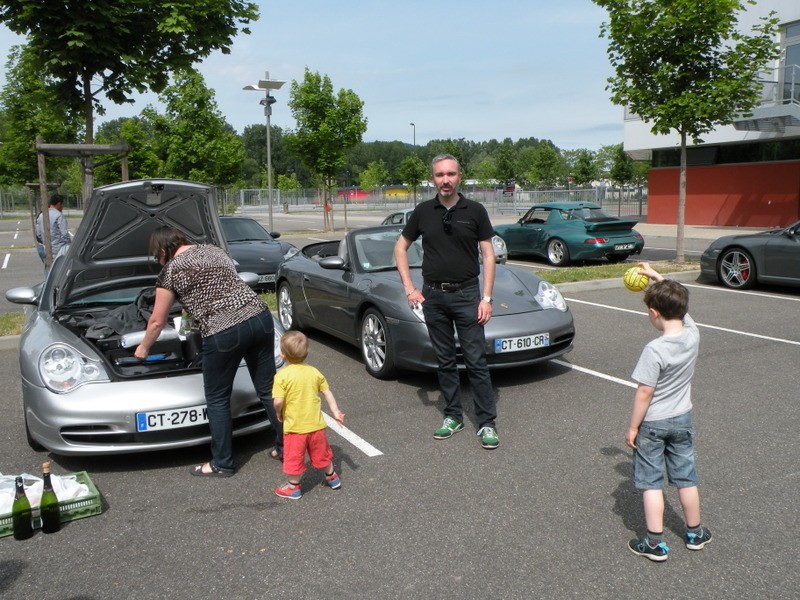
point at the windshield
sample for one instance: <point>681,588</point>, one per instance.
<point>241,230</point>
<point>375,251</point>
<point>591,215</point>
<point>125,295</point>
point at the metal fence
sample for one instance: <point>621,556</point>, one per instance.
<point>630,201</point>
<point>621,202</point>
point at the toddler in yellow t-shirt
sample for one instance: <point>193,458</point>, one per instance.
<point>296,394</point>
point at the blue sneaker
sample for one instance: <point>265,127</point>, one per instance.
<point>643,548</point>
<point>696,542</point>
<point>290,491</point>
<point>333,481</point>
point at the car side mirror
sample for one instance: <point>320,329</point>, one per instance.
<point>275,235</point>
<point>251,279</point>
<point>332,262</point>
<point>22,295</point>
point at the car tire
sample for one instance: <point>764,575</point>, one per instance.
<point>736,269</point>
<point>287,312</point>
<point>32,442</point>
<point>376,345</point>
<point>557,252</point>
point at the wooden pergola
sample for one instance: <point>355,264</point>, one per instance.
<point>86,154</point>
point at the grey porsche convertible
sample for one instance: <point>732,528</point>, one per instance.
<point>351,289</point>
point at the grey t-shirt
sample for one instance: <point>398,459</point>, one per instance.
<point>667,364</point>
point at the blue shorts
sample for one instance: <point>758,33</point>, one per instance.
<point>665,444</point>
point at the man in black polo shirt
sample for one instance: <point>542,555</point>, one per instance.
<point>453,229</point>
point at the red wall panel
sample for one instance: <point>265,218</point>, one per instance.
<point>743,195</point>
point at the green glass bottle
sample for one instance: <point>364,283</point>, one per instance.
<point>49,509</point>
<point>21,517</point>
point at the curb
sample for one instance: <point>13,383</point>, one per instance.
<point>607,284</point>
<point>9,342</point>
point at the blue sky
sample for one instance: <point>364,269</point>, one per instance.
<point>466,69</point>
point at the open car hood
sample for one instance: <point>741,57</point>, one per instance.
<point>110,247</point>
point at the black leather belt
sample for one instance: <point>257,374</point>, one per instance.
<point>445,286</point>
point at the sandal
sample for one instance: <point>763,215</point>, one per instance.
<point>275,454</point>
<point>214,472</point>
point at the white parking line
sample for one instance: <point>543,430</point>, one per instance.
<point>735,331</point>
<point>5,262</point>
<point>595,373</point>
<point>716,288</point>
<point>351,437</point>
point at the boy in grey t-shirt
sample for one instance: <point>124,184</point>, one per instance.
<point>660,431</point>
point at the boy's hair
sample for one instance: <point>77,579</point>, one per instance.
<point>294,346</point>
<point>669,298</point>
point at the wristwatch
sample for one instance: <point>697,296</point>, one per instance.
<point>487,299</point>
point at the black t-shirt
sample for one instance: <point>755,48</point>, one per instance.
<point>449,257</point>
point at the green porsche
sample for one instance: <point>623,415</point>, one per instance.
<point>563,232</point>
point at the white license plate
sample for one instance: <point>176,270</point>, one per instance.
<point>266,278</point>
<point>525,342</point>
<point>172,419</point>
<point>623,246</point>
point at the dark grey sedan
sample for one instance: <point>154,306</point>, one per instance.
<point>255,249</point>
<point>351,289</point>
<point>741,261</point>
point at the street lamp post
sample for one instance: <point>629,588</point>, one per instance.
<point>266,85</point>
<point>414,128</point>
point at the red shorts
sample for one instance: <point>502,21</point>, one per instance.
<point>295,446</point>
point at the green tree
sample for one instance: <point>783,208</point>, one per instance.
<point>288,183</point>
<point>505,162</point>
<point>374,176</point>
<point>198,144</point>
<point>328,126</point>
<point>683,66</point>
<point>412,172</point>
<point>143,160</point>
<point>621,168</point>
<point>548,167</point>
<point>108,48</point>
<point>29,109</point>
<point>584,169</point>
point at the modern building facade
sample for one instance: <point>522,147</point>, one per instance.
<point>745,174</point>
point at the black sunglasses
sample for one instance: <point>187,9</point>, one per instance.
<point>447,221</point>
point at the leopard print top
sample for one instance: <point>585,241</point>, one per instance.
<point>206,282</point>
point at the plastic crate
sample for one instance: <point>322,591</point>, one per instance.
<point>71,510</point>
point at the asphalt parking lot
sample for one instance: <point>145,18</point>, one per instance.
<point>546,515</point>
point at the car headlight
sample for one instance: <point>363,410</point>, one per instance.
<point>277,341</point>
<point>64,369</point>
<point>499,245</point>
<point>417,310</point>
<point>290,252</point>
<point>548,296</point>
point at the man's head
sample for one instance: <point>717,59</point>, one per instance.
<point>57,201</point>
<point>446,173</point>
<point>669,298</point>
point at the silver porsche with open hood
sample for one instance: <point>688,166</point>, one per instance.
<point>83,391</point>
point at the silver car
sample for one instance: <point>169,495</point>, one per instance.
<point>83,392</point>
<point>500,250</point>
